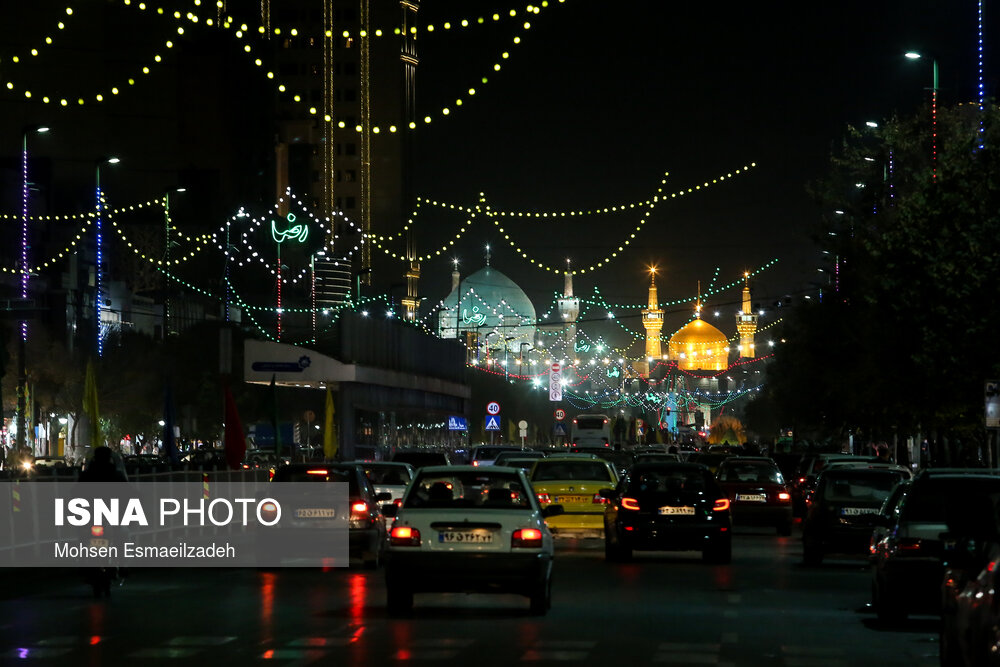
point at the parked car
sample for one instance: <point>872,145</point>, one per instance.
<point>809,469</point>
<point>470,529</point>
<point>844,509</point>
<point>367,533</point>
<point>757,492</point>
<point>907,564</point>
<point>668,507</point>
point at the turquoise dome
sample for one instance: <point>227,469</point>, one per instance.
<point>492,305</point>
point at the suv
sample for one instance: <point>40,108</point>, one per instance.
<point>809,469</point>
<point>485,455</point>
<point>906,564</point>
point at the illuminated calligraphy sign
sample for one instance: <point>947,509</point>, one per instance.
<point>581,347</point>
<point>475,318</point>
<point>613,372</point>
<point>295,232</point>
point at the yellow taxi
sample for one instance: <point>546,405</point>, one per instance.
<point>575,483</point>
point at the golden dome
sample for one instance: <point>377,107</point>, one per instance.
<point>699,346</point>
<point>699,332</point>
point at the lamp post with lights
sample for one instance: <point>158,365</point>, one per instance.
<point>100,251</point>
<point>913,55</point>
<point>22,368</point>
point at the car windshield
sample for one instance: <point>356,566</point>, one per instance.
<point>468,490</point>
<point>864,487</point>
<point>547,471</point>
<point>757,471</point>
<point>389,475</point>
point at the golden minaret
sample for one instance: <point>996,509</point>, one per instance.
<point>746,322</point>
<point>652,320</point>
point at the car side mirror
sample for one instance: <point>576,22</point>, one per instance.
<point>384,495</point>
<point>389,509</point>
<point>552,510</point>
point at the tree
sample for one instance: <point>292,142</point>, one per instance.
<point>903,339</point>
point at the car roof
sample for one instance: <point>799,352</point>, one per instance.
<point>434,470</point>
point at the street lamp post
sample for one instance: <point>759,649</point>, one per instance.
<point>913,55</point>
<point>100,252</point>
<point>167,224</point>
<point>22,368</point>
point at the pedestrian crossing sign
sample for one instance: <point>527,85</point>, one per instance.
<point>492,422</point>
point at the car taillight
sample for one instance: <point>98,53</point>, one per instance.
<point>721,505</point>
<point>630,504</point>
<point>598,500</point>
<point>97,531</point>
<point>910,544</point>
<point>475,463</point>
<point>404,536</point>
<point>544,499</point>
<point>526,538</point>
<point>802,480</point>
<point>360,507</point>
<point>784,496</point>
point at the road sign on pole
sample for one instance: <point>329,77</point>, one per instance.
<point>493,408</point>
<point>555,382</point>
<point>492,423</point>
<point>560,414</point>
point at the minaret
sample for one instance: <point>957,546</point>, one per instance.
<point>652,320</point>
<point>569,309</point>
<point>408,56</point>
<point>746,322</point>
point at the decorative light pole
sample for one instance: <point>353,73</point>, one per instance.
<point>167,225</point>
<point>913,55</point>
<point>22,369</point>
<point>100,253</point>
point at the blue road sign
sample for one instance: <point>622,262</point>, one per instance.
<point>492,422</point>
<point>457,424</point>
<point>560,429</point>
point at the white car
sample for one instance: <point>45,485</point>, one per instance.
<point>470,529</point>
<point>388,477</point>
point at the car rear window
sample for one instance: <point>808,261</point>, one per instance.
<point>867,488</point>
<point>929,501</point>
<point>590,422</point>
<point>388,474</point>
<point>762,472</point>
<point>669,481</point>
<point>547,471</point>
<point>465,490</point>
<point>420,459</point>
<point>316,474</point>
<point>488,453</point>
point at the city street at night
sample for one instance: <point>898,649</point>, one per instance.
<point>670,608</point>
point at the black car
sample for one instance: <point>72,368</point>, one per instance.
<point>907,567</point>
<point>668,507</point>
<point>367,525</point>
<point>844,510</point>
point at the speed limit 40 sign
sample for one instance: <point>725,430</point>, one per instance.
<point>493,408</point>
<point>560,414</point>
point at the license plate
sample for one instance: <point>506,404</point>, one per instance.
<point>465,537</point>
<point>858,511</point>
<point>573,500</point>
<point>751,497</point>
<point>315,513</point>
<point>677,510</point>
<point>98,542</point>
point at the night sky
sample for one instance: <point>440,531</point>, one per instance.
<point>596,103</point>
<point>601,98</point>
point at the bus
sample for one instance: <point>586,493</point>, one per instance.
<point>591,430</point>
